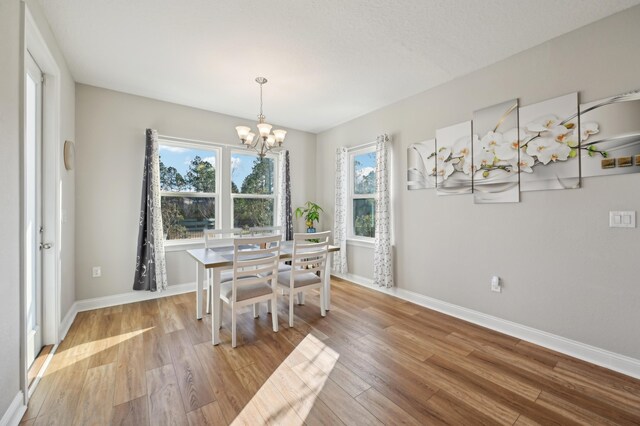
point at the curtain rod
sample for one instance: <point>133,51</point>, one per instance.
<point>364,145</point>
<point>178,139</point>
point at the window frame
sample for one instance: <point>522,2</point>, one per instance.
<point>353,196</point>
<point>274,195</point>
<point>218,152</point>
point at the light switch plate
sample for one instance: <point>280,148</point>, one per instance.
<point>622,219</point>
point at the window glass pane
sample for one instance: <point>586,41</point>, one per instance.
<point>251,174</point>
<point>249,212</point>
<point>186,217</point>
<point>364,217</point>
<point>187,169</point>
<point>364,173</point>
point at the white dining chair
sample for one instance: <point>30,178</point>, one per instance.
<point>254,278</point>
<point>212,239</point>
<point>270,230</point>
<point>310,251</point>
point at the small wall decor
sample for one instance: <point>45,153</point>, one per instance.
<point>495,155</point>
<point>454,164</point>
<point>69,154</point>
<point>421,165</point>
<point>549,144</point>
<point>610,129</point>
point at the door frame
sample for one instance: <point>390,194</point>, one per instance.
<point>34,44</point>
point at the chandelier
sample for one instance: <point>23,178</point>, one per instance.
<point>266,140</point>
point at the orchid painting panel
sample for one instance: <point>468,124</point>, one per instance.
<point>496,154</point>
<point>549,144</point>
<point>421,165</point>
<point>610,135</point>
<point>454,165</point>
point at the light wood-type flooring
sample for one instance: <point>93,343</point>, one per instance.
<point>374,359</point>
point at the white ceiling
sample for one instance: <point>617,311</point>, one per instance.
<point>327,61</point>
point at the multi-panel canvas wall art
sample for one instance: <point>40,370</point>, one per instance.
<point>549,144</point>
<point>496,154</point>
<point>421,165</point>
<point>454,165</point>
<point>610,135</point>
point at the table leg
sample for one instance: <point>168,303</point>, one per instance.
<point>215,306</point>
<point>327,283</point>
<point>200,276</point>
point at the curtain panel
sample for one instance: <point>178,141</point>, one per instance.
<point>382,256</point>
<point>284,180</point>
<point>151,271</point>
<point>340,218</point>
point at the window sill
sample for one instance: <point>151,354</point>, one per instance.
<point>171,246</point>
<point>361,242</point>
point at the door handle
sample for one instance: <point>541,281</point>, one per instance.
<point>45,246</point>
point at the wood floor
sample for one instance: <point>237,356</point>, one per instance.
<point>374,359</point>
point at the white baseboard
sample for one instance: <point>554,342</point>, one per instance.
<point>66,322</point>
<point>14,413</point>
<point>130,297</point>
<point>611,360</point>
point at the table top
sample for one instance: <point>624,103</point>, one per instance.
<point>216,257</point>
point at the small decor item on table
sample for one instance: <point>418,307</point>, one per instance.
<point>311,212</point>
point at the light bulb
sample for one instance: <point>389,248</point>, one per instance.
<point>271,140</point>
<point>279,135</point>
<point>243,131</point>
<point>250,137</point>
<point>264,129</point>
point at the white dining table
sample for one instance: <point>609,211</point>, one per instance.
<point>220,258</point>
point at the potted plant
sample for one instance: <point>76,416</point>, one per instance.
<point>311,212</point>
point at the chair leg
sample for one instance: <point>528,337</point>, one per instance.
<point>322,303</point>
<point>274,314</point>
<point>269,305</point>
<point>291,303</point>
<point>209,291</point>
<point>219,312</point>
<point>256,310</point>
<point>233,326</point>
<point>301,298</point>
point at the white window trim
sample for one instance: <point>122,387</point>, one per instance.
<point>223,194</point>
<point>218,150</point>
<point>276,185</point>
<point>353,239</point>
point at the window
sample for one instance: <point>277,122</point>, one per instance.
<point>189,189</point>
<point>252,190</point>
<point>362,193</point>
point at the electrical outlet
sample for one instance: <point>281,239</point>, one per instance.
<point>495,284</point>
<point>96,272</point>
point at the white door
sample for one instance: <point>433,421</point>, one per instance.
<point>33,207</point>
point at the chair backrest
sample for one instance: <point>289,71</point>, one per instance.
<point>310,252</point>
<point>211,235</point>
<point>265,230</point>
<point>255,261</point>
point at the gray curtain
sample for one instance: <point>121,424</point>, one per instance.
<point>151,273</point>
<point>286,215</point>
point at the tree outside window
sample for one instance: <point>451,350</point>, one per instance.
<point>252,190</point>
<point>363,188</point>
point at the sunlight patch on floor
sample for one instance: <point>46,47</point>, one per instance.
<point>85,350</point>
<point>288,396</point>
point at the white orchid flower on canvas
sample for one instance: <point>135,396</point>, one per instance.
<point>560,152</point>
<point>543,124</point>
<point>462,148</point>
<point>491,140</point>
<point>588,129</point>
<point>508,149</point>
<point>483,158</point>
<point>525,163</point>
<point>560,133</point>
<point>542,149</point>
<point>444,169</point>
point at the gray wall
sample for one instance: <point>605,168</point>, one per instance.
<point>565,271</point>
<point>110,154</point>
<point>10,69</point>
